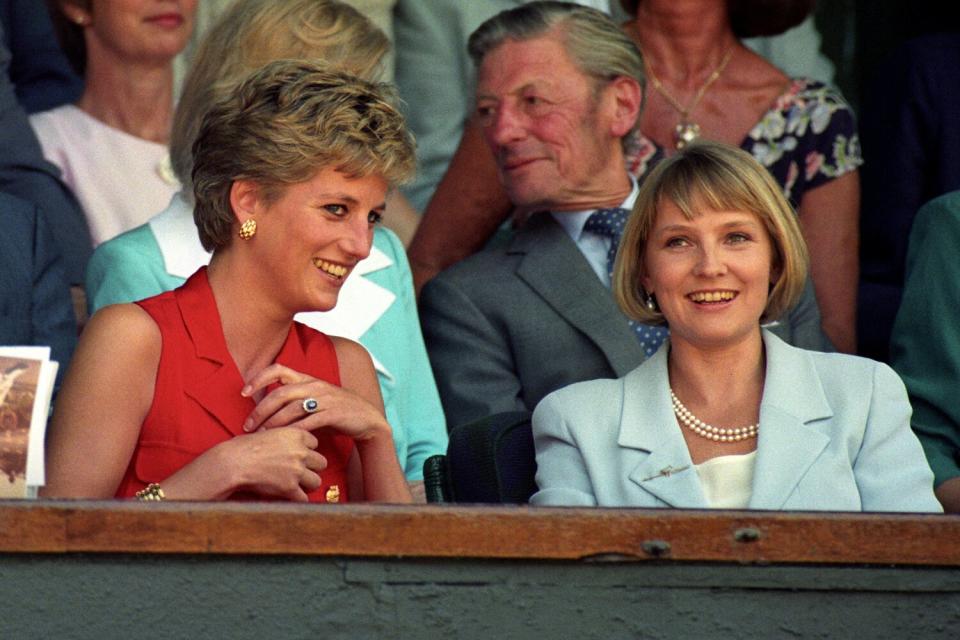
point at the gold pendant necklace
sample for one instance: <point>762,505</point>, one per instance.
<point>687,130</point>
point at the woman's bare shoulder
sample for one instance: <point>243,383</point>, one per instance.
<point>356,366</point>
<point>122,329</point>
<point>129,318</point>
<point>350,353</point>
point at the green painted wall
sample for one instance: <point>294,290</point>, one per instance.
<point>142,597</point>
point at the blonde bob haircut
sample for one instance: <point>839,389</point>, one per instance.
<point>718,177</point>
<point>252,33</point>
<point>282,125</point>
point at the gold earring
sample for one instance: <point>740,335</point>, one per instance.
<point>248,229</point>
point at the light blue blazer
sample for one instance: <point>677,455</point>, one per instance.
<point>834,435</point>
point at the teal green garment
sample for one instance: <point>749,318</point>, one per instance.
<point>925,347</point>
<point>130,267</point>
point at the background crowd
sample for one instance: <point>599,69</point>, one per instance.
<point>668,198</point>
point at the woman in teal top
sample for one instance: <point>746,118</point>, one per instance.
<point>925,346</point>
<point>377,306</point>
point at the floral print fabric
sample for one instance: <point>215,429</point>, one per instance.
<point>807,138</point>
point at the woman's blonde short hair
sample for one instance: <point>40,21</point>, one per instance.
<point>715,176</point>
<point>252,33</point>
<point>282,125</point>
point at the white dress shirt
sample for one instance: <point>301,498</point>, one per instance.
<point>593,246</point>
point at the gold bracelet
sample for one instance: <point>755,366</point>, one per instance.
<point>153,493</point>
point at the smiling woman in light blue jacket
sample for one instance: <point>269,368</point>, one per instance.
<point>725,414</point>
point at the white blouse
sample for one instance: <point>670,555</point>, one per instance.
<point>119,179</point>
<point>727,481</point>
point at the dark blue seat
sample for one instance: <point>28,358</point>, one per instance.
<point>488,461</point>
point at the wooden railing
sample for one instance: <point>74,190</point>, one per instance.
<point>478,532</point>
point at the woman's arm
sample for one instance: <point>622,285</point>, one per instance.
<point>891,470</point>
<point>829,218</point>
<point>562,476</point>
<point>382,477</point>
<point>465,211</point>
<point>104,400</point>
<point>948,493</point>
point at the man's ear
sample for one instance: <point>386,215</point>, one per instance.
<point>627,97</point>
<point>244,199</point>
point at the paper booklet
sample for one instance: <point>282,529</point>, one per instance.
<point>26,386</point>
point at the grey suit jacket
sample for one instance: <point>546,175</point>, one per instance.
<point>834,435</point>
<point>509,325</point>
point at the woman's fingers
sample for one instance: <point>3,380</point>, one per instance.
<point>271,374</point>
<point>287,404</point>
<point>315,461</point>
<point>280,462</point>
<point>310,441</point>
<point>307,403</point>
<point>298,495</point>
<point>309,480</point>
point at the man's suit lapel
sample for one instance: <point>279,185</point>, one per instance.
<point>789,441</point>
<point>554,268</point>
<point>663,466</point>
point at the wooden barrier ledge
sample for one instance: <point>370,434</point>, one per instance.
<point>494,532</point>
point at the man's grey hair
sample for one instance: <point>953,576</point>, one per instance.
<point>595,43</point>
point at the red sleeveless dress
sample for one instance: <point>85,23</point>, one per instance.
<point>197,402</point>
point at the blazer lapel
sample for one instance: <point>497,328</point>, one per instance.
<point>663,466</point>
<point>554,268</point>
<point>788,442</point>
<point>215,382</point>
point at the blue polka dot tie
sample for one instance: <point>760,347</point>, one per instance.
<point>609,223</point>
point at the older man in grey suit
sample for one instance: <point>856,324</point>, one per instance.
<point>558,88</point>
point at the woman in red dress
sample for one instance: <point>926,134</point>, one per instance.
<point>212,391</point>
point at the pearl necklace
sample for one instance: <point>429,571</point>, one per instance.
<point>704,430</point>
<point>687,130</point>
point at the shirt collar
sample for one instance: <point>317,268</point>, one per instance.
<point>574,221</point>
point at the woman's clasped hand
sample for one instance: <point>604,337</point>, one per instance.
<point>289,405</point>
<point>281,462</point>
